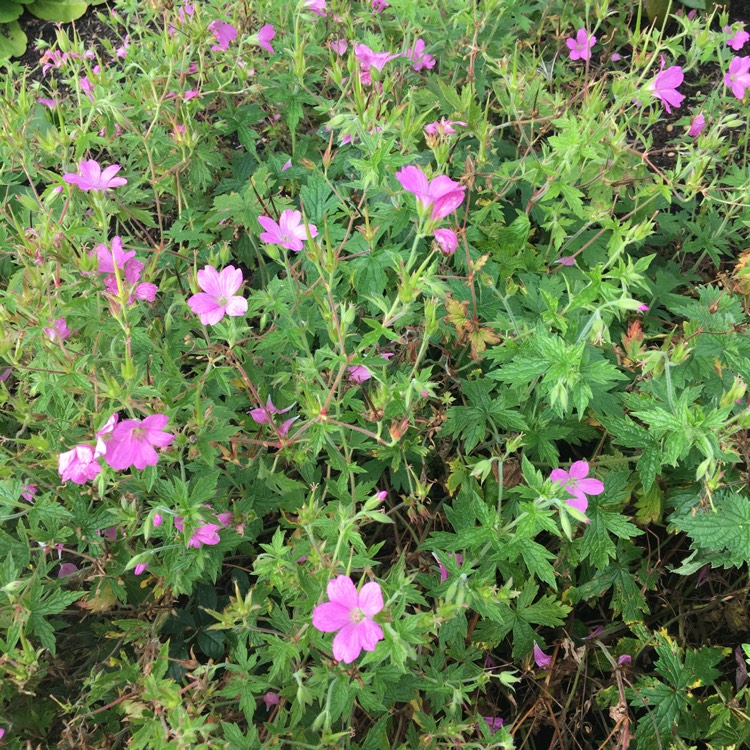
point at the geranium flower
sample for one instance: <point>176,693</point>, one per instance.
<point>378,6</point>
<point>78,465</point>
<point>697,125</point>
<point>271,699</point>
<point>418,57</point>
<point>577,483</point>
<point>262,415</point>
<point>66,569</point>
<point>495,723</point>
<point>114,257</point>
<point>122,50</point>
<point>59,330</point>
<point>205,533</point>
<point>664,86</point>
<point>566,260</point>
<point>580,45</point>
<point>316,6</point>
<point>443,127</point>
<point>443,570</point>
<point>541,659</point>
<point>289,232</point>
<point>367,59</point>
<point>142,291</point>
<point>358,374</point>
<point>218,297</point>
<point>224,33</point>
<point>132,442</point>
<point>28,491</point>
<point>442,193</point>
<point>447,240</point>
<point>738,76</point>
<point>264,36</point>
<point>738,40</point>
<point>91,177</point>
<point>339,46</point>
<point>140,568</point>
<point>104,435</point>
<point>350,612</point>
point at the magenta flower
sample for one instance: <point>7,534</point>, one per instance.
<point>577,483</point>
<point>443,570</point>
<point>443,127</point>
<point>116,257</point>
<point>218,297</point>
<point>643,307</point>
<point>271,699</point>
<point>358,374</point>
<point>447,240</point>
<point>442,193</point>
<point>580,45</point>
<point>140,568</point>
<point>418,57</point>
<point>157,520</point>
<point>290,232</point>
<point>224,33</point>
<point>495,723</point>
<point>28,491</point>
<point>287,165</point>
<point>78,465</point>
<point>142,291</point>
<point>738,76</point>
<point>264,36</point>
<point>368,58</point>
<point>132,442</point>
<point>339,46</point>
<point>541,659</point>
<point>624,659</point>
<point>66,569</point>
<point>350,612</point>
<point>738,40</point>
<point>205,533</point>
<point>91,177</point>
<point>697,125</point>
<point>316,6</point>
<point>664,86</point>
<point>566,260</point>
<point>262,415</point>
<point>59,330</point>
<point>51,103</point>
<point>122,50</point>
<point>104,435</point>
<point>378,6</point>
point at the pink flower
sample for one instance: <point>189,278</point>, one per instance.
<point>157,520</point>
<point>287,165</point>
<point>110,533</point>
<point>191,94</point>
<point>350,612</point>
<point>116,257</point>
<point>224,33</point>
<point>697,125</point>
<point>140,568</point>
<point>740,37</point>
<point>51,103</point>
<point>378,6</point>
<point>66,569</point>
<point>447,240</point>
<point>418,57</point>
<point>132,442</point>
<point>580,45</point>
<point>540,658</point>
<point>59,330</point>
<point>358,374</point>
<point>184,12</point>
<point>495,723</point>
<point>664,86</point>
<point>91,177</point>
<point>122,50</point>
<point>205,533</point>
<point>643,307</point>
<point>264,36</point>
<point>52,58</point>
<point>367,59</point>
<point>443,570</point>
<point>104,435</point>
<point>28,491</point>
<point>262,415</point>
<point>290,232</point>
<point>738,76</point>
<point>316,6</point>
<point>615,57</point>
<point>78,465</point>
<point>576,483</point>
<point>339,46</point>
<point>218,297</point>
<point>566,260</point>
<point>442,193</point>
<point>443,127</point>
<point>271,699</point>
<point>144,291</point>
<point>624,659</point>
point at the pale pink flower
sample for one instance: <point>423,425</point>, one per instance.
<point>78,465</point>
<point>442,193</point>
<point>104,435</point>
<point>132,442</point>
<point>122,50</point>
<point>224,33</point>
<point>316,6</point>
<point>350,612</point>
<point>205,533</point>
<point>140,568</point>
<point>447,240</point>
<point>541,659</point>
<point>580,45</point>
<point>576,482</point>
<point>87,87</point>
<point>264,36</point>
<point>28,491</point>
<point>290,232</point>
<point>358,374</point>
<point>66,569</point>
<point>615,57</point>
<point>738,76</point>
<point>339,46</point>
<point>219,296</point>
<point>59,330</point>
<point>271,699</point>
<point>418,57</point>
<point>739,38</point>
<point>2,732</point>
<point>443,570</point>
<point>664,86</point>
<point>443,127</point>
<point>183,13</point>
<point>495,723</point>
<point>697,125</point>
<point>378,6</point>
<point>566,260</point>
<point>262,415</point>
<point>91,177</point>
<point>287,165</point>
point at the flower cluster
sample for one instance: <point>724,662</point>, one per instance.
<point>114,259</point>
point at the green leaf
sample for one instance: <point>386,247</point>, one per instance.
<point>10,11</point>
<point>59,11</point>
<point>316,198</point>
<point>12,40</point>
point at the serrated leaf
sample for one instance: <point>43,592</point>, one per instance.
<point>316,198</point>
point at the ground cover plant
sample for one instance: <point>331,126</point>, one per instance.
<point>373,375</point>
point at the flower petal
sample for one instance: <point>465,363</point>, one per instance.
<point>330,616</point>
<point>579,470</point>
<point>369,633</point>
<point>346,645</point>
<point>342,590</point>
<point>371,599</point>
